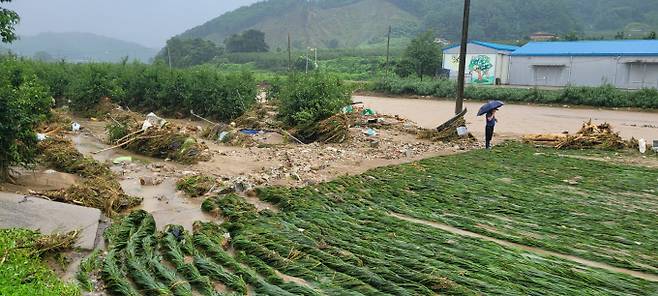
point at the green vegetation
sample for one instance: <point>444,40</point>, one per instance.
<point>199,262</point>
<point>187,53</point>
<point>340,238</point>
<point>308,99</point>
<point>88,265</point>
<point>247,41</point>
<point>23,271</point>
<point>195,186</point>
<point>145,88</point>
<point>358,23</point>
<point>423,56</point>
<point>604,96</point>
<point>8,19</point>
<point>24,103</point>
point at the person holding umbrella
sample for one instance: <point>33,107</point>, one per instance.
<point>490,110</point>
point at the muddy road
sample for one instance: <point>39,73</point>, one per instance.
<point>518,120</point>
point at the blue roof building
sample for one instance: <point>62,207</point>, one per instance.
<point>631,64</point>
<point>486,62</point>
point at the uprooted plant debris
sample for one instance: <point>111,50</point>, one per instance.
<point>335,129</point>
<point>155,137</point>
<point>52,243</point>
<point>601,136</point>
<point>447,133</point>
<point>99,189</point>
<point>195,186</point>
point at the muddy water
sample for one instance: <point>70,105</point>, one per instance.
<point>517,120</point>
<point>581,261</point>
<point>163,201</point>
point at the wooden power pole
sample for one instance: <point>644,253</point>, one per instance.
<point>388,50</point>
<point>462,58</point>
<point>289,54</point>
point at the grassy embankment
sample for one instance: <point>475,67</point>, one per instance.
<point>23,271</point>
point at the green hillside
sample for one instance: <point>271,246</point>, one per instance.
<point>352,23</point>
<point>79,47</point>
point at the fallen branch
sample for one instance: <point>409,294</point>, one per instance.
<point>199,117</point>
<point>290,135</point>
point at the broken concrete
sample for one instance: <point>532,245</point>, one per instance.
<point>21,211</point>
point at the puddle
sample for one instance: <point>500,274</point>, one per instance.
<point>88,145</point>
<point>581,261</point>
<point>167,205</point>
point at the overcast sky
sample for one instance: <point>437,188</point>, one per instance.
<point>148,22</point>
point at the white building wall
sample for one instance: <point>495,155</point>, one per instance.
<point>620,72</point>
<point>499,59</point>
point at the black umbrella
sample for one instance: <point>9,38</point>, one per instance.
<point>492,105</point>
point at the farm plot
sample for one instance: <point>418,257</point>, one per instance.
<point>339,238</point>
<point>592,209</point>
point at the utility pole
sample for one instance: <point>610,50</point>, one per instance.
<point>388,50</point>
<point>307,49</point>
<point>462,58</point>
<point>289,54</point>
<point>169,54</point>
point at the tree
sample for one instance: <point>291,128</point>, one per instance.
<point>8,19</point>
<point>189,52</point>
<point>620,36</point>
<point>424,54</point>
<point>571,36</point>
<point>248,41</point>
<point>24,103</point>
<point>481,65</point>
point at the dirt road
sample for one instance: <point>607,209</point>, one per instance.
<point>517,120</point>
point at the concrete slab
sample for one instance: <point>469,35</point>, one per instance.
<point>20,211</point>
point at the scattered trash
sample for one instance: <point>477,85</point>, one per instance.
<point>642,143</point>
<point>250,132</point>
<point>347,109</point>
<point>122,159</point>
<point>41,137</point>
<point>75,126</point>
<point>153,120</point>
<point>368,112</point>
<point>462,131</point>
<point>370,132</point>
<point>334,129</point>
<point>222,136</point>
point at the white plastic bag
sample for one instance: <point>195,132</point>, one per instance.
<point>462,131</point>
<point>75,126</point>
<point>643,146</point>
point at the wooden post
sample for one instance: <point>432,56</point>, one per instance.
<point>289,54</point>
<point>462,58</point>
<point>388,50</point>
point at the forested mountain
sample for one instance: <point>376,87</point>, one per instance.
<point>350,23</point>
<point>79,47</point>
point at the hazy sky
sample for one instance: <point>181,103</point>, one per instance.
<point>148,22</point>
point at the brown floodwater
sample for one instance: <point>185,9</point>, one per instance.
<point>163,201</point>
<point>517,120</point>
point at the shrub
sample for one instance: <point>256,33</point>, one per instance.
<point>24,103</point>
<point>604,96</point>
<point>305,99</point>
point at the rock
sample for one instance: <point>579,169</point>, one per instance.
<point>150,181</point>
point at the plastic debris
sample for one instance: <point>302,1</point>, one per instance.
<point>41,137</point>
<point>642,143</point>
<point>370,132</point>
<point>75,126</point>
<point>462,131</point>
<point>122,159</point>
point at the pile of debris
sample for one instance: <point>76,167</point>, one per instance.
<point>335,129</point>
<point>100,189</point>
<point>155,137</point>
<point>590,135</point>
